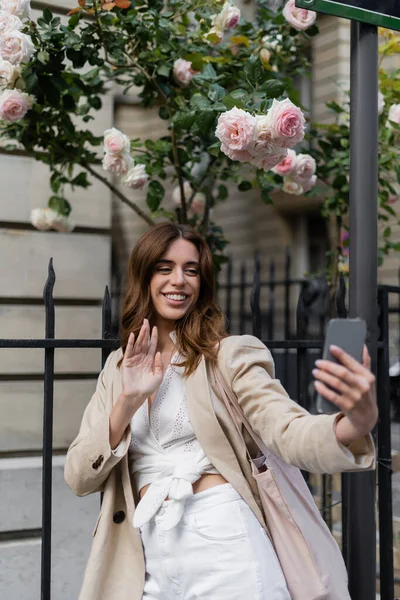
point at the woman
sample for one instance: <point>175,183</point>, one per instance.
<point>180,516</point>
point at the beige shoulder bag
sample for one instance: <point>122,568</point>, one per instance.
<point>308,553</point>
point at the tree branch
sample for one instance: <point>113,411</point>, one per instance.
<point>119,195</point>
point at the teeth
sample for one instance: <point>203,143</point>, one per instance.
<point>175,297</point>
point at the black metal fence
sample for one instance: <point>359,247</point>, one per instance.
<point>294,357</point>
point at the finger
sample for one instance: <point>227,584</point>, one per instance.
<point>338,384</point>
<point>366,359</point>
<point>153,344</point>
<point>337,370</point>
<point>139,342</point>
<point>129,346</point>
<point>332,396</point>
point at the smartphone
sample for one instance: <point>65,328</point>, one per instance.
<point>348,334</point>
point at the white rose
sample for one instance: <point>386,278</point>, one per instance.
<point>299,18</point>
<point>47,218</point>
<point>292,187</point>
<point>20,8</point>
<point>304,168</point>
<point>187,191</point>
<point>16,47</point>
<point>308,185</point>
<point>118,164</point>
<point>8,74</point>
<point>381,102</point>
<point>116,142</point>
<point>228,18</point>
<point>198,204</point>
<point>394,115</point>
<point>272,42</point>
<point>136,178</point>
<point>216,36</point>
<point>9,23</point>
<point>39,219</point>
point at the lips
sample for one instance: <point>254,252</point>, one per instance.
<point>176,300</point>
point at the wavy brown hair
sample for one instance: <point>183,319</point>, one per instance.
<point>201,329</point>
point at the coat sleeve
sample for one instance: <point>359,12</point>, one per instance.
<point>288,430</point>
<point>90,458</point>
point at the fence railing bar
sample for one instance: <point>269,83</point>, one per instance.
<point>271,300</point>
<point>265,284</point>
<point>59,343</point>
<point>229,287</point>
<point>242,299</point>
<point>385,456</point>
<point>106,324</point>
<point>288,283</point>
<point>47,437</point>
<point>21,534</point>
<point>255,298</point>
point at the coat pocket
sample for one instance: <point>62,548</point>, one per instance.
<point>96,526</point>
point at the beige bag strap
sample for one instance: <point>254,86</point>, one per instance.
<point>234,410</point>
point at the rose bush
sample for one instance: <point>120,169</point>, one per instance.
<point>230,115</point>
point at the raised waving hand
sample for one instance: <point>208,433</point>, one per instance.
<point>142,368</point>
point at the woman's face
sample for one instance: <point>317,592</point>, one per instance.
<point>175,284</point>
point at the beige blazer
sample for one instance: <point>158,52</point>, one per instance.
<point>115,569</point>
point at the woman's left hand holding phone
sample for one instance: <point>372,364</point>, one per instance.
<point>141,374</point>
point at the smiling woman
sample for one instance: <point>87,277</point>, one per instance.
<point>158,439</point>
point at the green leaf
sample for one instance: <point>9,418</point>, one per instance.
<point>163,113</point>
<point>335,107</point>
<point>222,192</point>
<point>81,180</point>
<point>216,92</point>
<point>273,88</point>
<point>31,82</point>
<point>74,20</point>
<point>254,70</point>
<point>164,70</point>
<point>244,186</point>
<point>230,101</point>
<point>208,73</point>
<point>198,101</point>
<point>155,194</point>
<point>47,15</point>
<point>184,121</point>
<point>214,149</point>
<point>203,123</point>
<point>60,205</point>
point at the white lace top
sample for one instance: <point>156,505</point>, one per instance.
<point>164,451</point>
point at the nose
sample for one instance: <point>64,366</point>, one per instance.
<point>178,277</point>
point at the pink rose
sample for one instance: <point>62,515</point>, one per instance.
<point>287,165</point>
<point>235,129</point>
<point>392,199</point>
<point>287,123</point>
<point>9,22</point>
<point>118,164</point>
<point>136,177</point>
<point>14,105</point>
<point>304,168</point>
<point>115,142</point>
<point>309,184</point>
<point>394,114</point>
<point>228,18</point>
<point>268,162</point>
<point>298,18</point>
<point>381,102</point>
<point>292,187</point>
<point>183,72</point>
<point>239,155</point>
<point>264,143</point>
<point>16,47</point>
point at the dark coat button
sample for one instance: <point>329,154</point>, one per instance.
<point>95,465</point>
<point>100,459</point>
<point>119,517</point>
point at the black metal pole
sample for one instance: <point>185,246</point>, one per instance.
<point>45,593</point>
<point>361,533</point>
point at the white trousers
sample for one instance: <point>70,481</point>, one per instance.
<point>218,551</point>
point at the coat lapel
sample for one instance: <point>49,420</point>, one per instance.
<point>208,429</point>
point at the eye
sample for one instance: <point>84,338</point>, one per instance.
<point>192,271</point>
<point>163,269</point>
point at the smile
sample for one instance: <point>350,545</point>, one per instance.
<point>176,297</point>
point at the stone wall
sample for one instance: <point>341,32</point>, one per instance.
<point>82,260</point>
